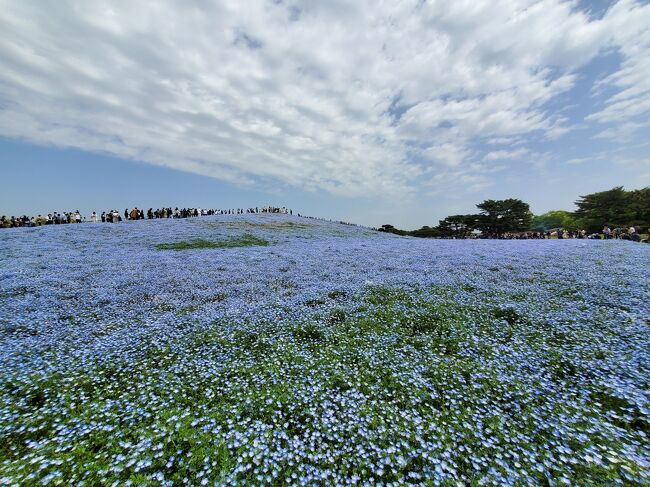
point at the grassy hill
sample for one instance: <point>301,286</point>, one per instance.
<point>271,349</point>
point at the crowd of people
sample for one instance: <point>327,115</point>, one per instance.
<point>113,216</point>
<point>632,233</point>
<point>559,234</point>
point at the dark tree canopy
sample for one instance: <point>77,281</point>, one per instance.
<point>615,208</point>
<point>457,225</point>
<point>391,229</point>
<point>501,216</point>
<point>427,232</point>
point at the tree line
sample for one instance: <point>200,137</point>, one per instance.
<point>615,208</point>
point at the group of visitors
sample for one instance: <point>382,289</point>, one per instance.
<point>113,216</point>
<point>632,233</point>
<point>514,236</point>
<point>559,234</point>
<point>35,221</point>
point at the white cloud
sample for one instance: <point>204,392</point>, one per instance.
<point>578,160</point>
<point>447,154</point>
<point>505,154</point>
<point>623,132</point>
<point>628,24</point>
<point>505,141</point>
<point>354,98</point>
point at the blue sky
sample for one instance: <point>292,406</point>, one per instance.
<point>400,113</point>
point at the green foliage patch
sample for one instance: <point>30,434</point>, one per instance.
<point>246,240</point>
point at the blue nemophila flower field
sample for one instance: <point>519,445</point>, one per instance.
<point>279,350</point>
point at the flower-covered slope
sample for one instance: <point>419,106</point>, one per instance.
<point>332,355</point>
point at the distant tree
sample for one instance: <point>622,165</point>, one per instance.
<point>571,223</point>
<point>552,219</point>
<point>427,232</point>
<point>501,216</point>
<point>639,207</point>
<point>391,229</point>
<point>457,225</point>
<point>615,207</point>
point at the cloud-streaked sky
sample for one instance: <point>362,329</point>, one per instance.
<point>376,112</point>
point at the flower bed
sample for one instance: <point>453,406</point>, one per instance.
<point>333,354</point>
